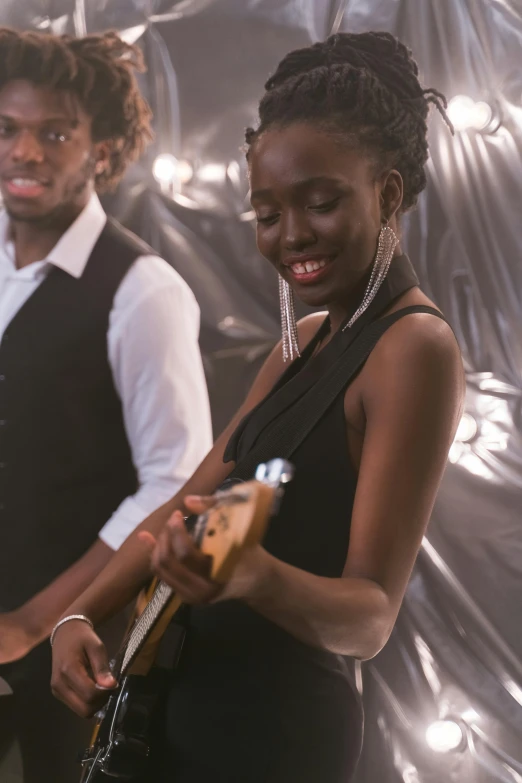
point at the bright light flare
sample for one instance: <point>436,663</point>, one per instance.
<point>465,113</point>
<point>467,428</point>
<point>168,170</point>
<point>212,172</point>
<point>164,168</point>
<point>445,736</point>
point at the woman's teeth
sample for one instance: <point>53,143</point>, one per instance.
<point>308,266</point>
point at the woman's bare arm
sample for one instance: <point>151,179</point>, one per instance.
<point>412,394</point>
<point>129,567</point>
<point>80,663</point>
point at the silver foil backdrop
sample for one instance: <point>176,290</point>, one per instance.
<point>457,647</point>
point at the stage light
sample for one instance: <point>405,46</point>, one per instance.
<point>445,736</point>
<point>247,217</point>
<point>470,716</point>
<point>482,115</point>
<point>185,171</point>
<point>212,172</point>
<point>467,429</point>
<point>465,114</point>
<point>171,173</point>
<point>234,173</point>
<point>165,168</point>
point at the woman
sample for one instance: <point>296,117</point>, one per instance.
<point>264,690</point>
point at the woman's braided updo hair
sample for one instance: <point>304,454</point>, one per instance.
<point>364,86</point>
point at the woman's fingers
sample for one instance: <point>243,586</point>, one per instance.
<point>191,588</point>
<point>81,676</point>
<point>179,563</point>
<point>176,559</point>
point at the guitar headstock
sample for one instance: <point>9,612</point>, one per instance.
<point>240,517</point>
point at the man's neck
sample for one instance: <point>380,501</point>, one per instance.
<point>34,240</point>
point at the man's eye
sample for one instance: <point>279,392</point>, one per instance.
<point>57,136</point>
<point>6,130</point>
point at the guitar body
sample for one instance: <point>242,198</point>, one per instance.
<point>123,735</point>
<point>122,742</point>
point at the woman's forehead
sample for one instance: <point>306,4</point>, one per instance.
<point>302,153</point>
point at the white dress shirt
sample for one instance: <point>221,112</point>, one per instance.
<point>154,356</point>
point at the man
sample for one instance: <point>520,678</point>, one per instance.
<point>103,405</point>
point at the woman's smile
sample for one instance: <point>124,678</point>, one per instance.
<point>307,269</point>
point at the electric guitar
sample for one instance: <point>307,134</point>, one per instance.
<point>121,743</point>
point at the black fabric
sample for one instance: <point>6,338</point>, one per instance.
<point>65,467</point>
<point>49,736</point>
<point>303,374</point>
<point>283,438</point>
<point>65,460</point>
<point>266,707</point>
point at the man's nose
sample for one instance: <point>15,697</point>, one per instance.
<point>27,148</point>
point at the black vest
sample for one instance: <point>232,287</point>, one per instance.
<point>65,462</point>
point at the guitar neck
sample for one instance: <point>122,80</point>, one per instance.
<point>161,597</point>
<point>144,626</point>
<point>237,519</point>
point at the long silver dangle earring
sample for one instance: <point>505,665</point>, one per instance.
<point>288,323</point>
<point>386,245</point>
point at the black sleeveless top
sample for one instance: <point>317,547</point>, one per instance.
<point>266,707</point>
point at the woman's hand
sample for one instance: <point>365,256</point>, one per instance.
<point>177,561</point>
<point>81,677</point>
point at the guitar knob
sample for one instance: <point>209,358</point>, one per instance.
<point>275,472</point>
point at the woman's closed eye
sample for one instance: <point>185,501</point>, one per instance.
<point>267,219</point>
<point>325,206</point>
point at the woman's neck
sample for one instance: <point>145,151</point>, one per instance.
<point>340,311</point>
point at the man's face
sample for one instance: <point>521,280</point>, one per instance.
<point>47,156</point>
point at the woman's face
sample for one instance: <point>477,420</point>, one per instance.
<point>319,210</point>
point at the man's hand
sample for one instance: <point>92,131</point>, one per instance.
<point>18,635</point>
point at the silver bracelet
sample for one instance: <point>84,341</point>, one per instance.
<point>66,620</point>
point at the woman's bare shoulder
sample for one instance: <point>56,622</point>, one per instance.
<point>308,326</point>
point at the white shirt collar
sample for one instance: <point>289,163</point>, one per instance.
<point>74,247</point>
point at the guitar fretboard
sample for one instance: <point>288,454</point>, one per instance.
<point>160,598</point>
<point>144,624</point>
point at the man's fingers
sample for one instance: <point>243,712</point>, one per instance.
<point>147,538</point>
<point>198,504</point>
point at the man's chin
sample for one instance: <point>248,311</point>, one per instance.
<point>28,213</point>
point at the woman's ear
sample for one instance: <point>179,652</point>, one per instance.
<point>392,190</point>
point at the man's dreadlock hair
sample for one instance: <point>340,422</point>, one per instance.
<point>364,86</point>
<point>99,71</point>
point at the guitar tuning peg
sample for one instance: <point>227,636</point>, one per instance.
<point>275,472</point>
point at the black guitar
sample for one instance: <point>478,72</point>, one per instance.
<point>121,744</point>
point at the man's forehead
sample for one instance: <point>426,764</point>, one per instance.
<point>38,103</point>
